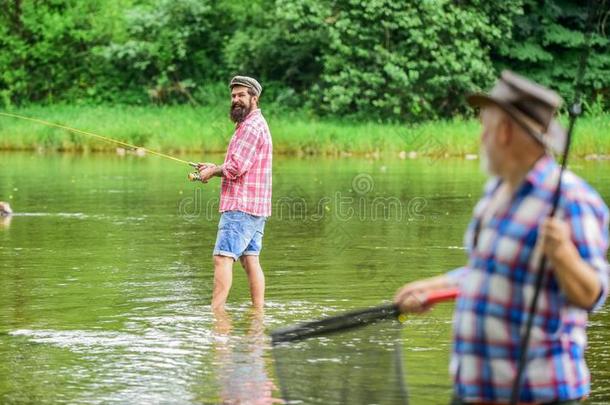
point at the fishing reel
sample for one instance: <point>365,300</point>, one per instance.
<point>195,176</point>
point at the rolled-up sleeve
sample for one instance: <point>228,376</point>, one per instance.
<point>241,153</point>
<point>456,275</point>
<point>589,226</point>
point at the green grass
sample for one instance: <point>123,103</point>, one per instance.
<point>183,129</point>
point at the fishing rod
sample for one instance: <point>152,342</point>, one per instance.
<point>194,176</point>
<point>575,111</point>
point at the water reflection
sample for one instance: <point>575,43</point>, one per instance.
<point>104,294</point>
<point>242,370</point>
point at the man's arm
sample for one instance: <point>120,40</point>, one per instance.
<point>239,160</point>
<point>577,278</point>
<point>411,297</point>
<point>208,170</point>
<point>242,154</point>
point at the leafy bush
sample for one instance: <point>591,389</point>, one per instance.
<point>411,59</point>
<point>374,59</point>
<point>171,47</point>
<point>46,51</point>
<point>549,42</point>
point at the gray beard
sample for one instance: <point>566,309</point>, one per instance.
<point>484,162</point>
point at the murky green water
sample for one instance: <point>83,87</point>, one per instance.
<point>105,274</point>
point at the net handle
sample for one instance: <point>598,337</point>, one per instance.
<point>353,319</point>
<point>443,295</point>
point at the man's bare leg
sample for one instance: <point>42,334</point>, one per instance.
<point>223,277</point>
<point>256,279</point>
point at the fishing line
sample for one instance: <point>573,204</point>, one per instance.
<point>103,138</point>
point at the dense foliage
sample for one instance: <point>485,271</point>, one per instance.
<point>377,59</point>
<point>548,41</point>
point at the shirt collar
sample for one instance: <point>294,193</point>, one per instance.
<point>543,168</point>
<point>535,178</point>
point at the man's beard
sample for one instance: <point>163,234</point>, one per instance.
<point>239,112</point>
<point>485,163</point>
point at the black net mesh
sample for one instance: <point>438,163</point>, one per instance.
<point>362,365</point>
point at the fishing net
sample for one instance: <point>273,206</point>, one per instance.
<point>359,364</point>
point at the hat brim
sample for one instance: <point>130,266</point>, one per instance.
<point>479,100</point>
<point>555,137</point>
<point>246,85</point>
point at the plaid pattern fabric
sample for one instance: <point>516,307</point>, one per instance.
<point>246,181</point>
<point>498,283</point>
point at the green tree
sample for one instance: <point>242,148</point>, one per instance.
<point>171,46</point>
<point>45,50</point>
<point>549,41</point>
<point>380,58</point>
<point>281,41</point>
<point>410,59</point>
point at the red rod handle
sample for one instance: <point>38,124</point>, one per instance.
<point>437,296</point>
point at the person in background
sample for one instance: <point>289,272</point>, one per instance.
<point>5,209</point>
<point>509,231</point>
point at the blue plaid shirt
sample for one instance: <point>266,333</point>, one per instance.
<point>497,284</point>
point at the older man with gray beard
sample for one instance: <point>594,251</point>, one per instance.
<point>509,231</point>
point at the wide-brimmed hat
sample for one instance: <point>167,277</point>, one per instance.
<point>248,82</point>
<point>530,104</point>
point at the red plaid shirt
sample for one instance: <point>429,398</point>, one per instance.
<point>246,171</point>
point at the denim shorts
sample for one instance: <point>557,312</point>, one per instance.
<point>239,234</point>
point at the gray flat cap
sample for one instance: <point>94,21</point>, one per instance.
<point>248,82</point>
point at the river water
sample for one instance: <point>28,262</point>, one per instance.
<point>106,271</point>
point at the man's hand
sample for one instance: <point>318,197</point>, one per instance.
<point>576,277</point>
<point>412,296</point>
<point>207,171</point>
<point>555,237</point>
<point>205,165</point>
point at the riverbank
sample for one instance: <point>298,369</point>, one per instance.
<point>184,129</point>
